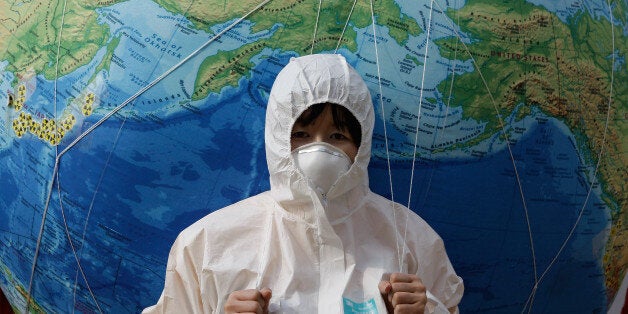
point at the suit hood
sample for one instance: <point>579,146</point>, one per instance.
<point>303,82</point>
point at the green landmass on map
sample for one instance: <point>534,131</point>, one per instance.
<point>298,22</point>
<point>34,306</point>
<point>35,33</point>
<point>524,54</point>
<point>50,39</point>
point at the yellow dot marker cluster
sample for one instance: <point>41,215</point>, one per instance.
<point>88,106</point>
<point>22,124</point>
<point>52,131</point>
<point>21,97</point>
<point>49,130</point>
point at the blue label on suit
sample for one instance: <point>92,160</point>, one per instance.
<point>367,307</point>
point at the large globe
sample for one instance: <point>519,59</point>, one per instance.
<point>502,123</point>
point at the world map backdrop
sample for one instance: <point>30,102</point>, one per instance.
<point>502,123</point>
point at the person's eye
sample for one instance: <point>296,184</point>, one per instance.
<point>338,136</point>
<point>299,134</point>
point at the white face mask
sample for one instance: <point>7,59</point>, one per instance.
<point>322,163</point>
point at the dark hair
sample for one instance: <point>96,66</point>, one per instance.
<point>343,119</point>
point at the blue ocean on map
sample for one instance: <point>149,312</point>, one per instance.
<point>472,234</point>
<point>530,238</point>
<point>475,205</point>
<point>472,202</point>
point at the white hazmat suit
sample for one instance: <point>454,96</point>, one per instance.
<point>318,253</point>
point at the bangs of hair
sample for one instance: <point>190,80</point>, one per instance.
<point>342,117</point>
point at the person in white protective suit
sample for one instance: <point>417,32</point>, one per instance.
<point>319,241</point>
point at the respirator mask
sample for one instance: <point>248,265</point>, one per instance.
<point>321,163</point>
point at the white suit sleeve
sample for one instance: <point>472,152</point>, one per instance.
<point>182,287</point>
<point>435,306</point>
<point>445,287</point>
